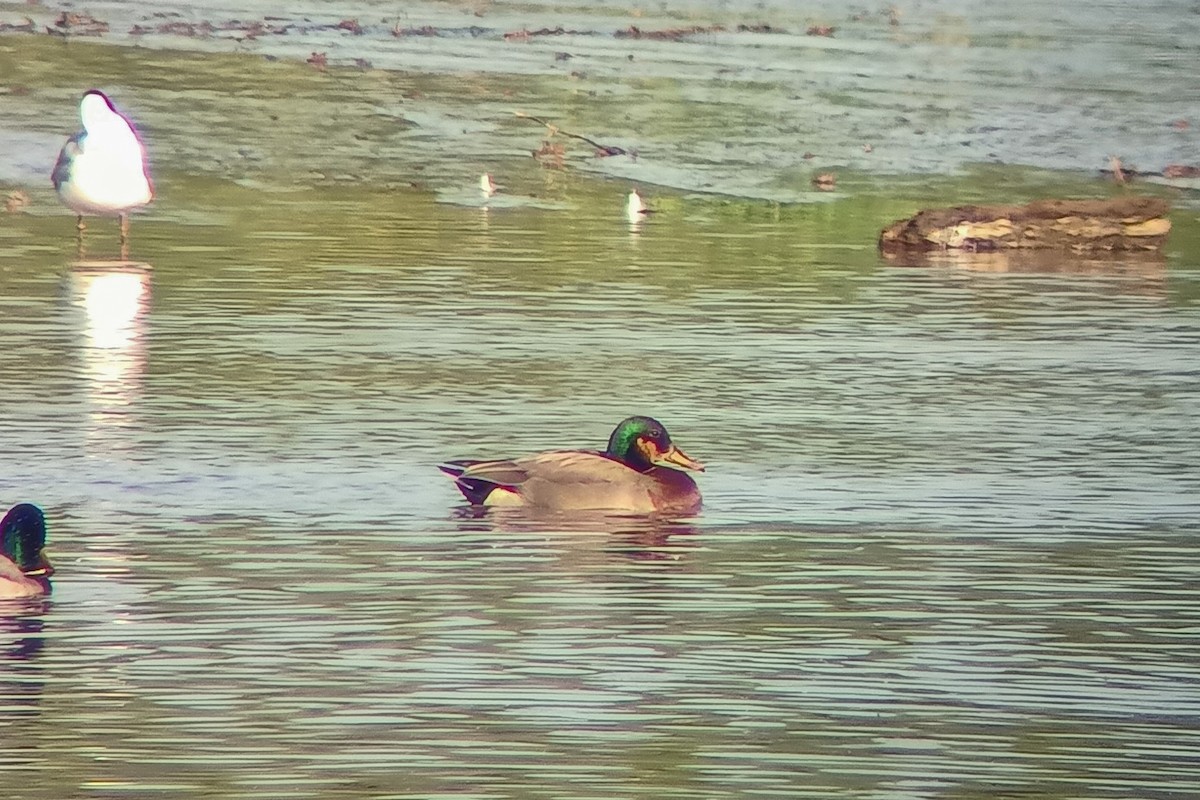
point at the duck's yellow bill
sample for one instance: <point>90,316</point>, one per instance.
<point>42,569</point>
<point>674,457</point>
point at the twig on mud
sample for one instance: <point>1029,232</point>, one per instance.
<point>601,149</point>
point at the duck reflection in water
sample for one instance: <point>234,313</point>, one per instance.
<point>648,538</point>
<point>23,639</point>
<point>22,680</point>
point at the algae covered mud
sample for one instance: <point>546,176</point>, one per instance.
<point>948,542</point>
<point>741,99</point>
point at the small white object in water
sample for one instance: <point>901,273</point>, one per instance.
<point>102,169</point>
<point>635,209</point>
<point>486,185</point>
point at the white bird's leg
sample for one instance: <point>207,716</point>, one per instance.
<point>79,228</point>
<point>124,236</point>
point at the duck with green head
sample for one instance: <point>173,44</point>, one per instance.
<point>24,569</point>
<point>639,472</point>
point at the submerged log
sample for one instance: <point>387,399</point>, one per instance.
<point>1126,223</point>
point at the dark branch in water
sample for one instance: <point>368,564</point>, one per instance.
<point>601,149</point>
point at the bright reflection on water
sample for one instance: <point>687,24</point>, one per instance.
<point>115,301</point>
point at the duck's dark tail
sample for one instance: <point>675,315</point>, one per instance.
<point>475,490</point>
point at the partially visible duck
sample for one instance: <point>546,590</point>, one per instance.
<point>24,570</point>
<point>639,472</point>
<point>102,170</point>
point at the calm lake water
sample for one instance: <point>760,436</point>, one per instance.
<point>949,543</point>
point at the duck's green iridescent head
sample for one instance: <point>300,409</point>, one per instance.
<point>643,442</point>
<point>22,539</point>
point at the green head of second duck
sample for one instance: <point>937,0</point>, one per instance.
<point>23,539</point>
<point>24,568</point>
<point>642,443</point>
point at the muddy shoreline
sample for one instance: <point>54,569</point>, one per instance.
<point>732,100</point>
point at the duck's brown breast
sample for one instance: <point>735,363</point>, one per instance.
<point>673,491</point>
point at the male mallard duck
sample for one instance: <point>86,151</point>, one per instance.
<point>637,473</point>
<point>24,570</point>
<point>102,169</point>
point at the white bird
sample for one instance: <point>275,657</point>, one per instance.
<point>635,209</point>
<point>102,170</point>
<point>486,185</point>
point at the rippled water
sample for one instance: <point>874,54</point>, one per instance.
<point>948,546</point>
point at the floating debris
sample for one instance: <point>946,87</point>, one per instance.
<point>350,25</point>
<point>318,61</point>
<point>177,28</point>
<point>826,181</point>
<point>525,34</point>
<point>252,29</point>
<point>424,30</point>
<point>474,31</point>
<point>763,28</point>
<point>668,34</point>
<point>77,24</point>
<point>820,30</point>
